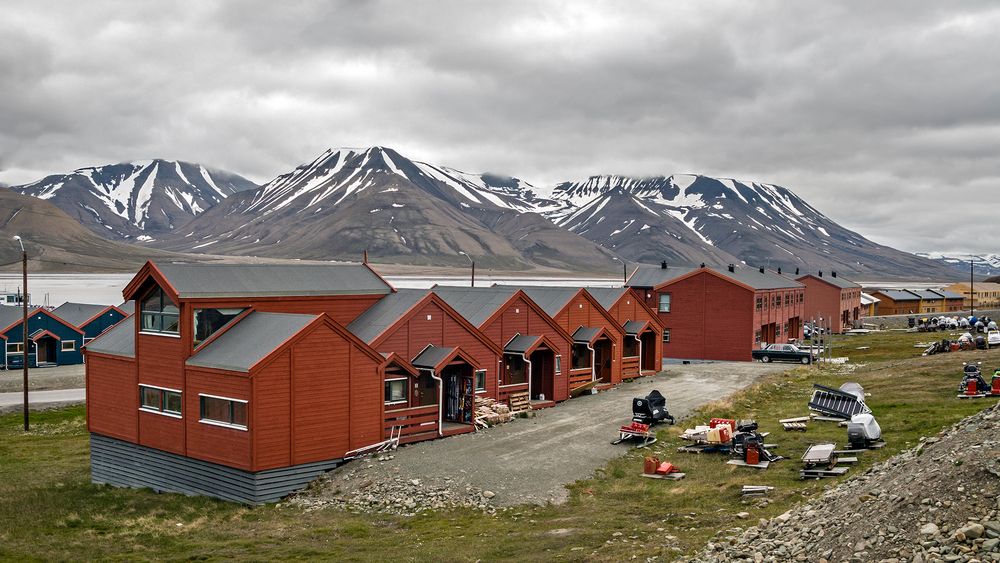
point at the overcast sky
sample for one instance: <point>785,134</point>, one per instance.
<point>883,115</point>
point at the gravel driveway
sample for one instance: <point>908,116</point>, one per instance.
<point>42,379</point>
<point>530,460</point>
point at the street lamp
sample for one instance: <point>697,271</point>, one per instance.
<point>624,269</point>
<point>473,262</point>
<point>24,325</point>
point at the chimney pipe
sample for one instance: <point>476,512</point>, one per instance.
<point>732,268</point>
<point>834,274</point>
<point>702,264</point>
<point>796,271</point>
<point>821,273</point>
<point>364,259</point>
<point>663,265</point>
<point>779,269</point>
<point>762,269</point>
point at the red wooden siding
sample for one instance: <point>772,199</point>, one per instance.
<point>271,414</point>
<point>160,362</point>
<point>112,397</point>
<point>341,308</point>
<point>581,312</point>
<point>630,307</point>
<point>227,446</point>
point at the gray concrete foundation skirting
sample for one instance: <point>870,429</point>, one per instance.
<point>124,464</point>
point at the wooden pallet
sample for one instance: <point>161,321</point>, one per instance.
<point>739,462</point>
<point>519,402</point>
<point>822,473</point>
<point>668,476</point>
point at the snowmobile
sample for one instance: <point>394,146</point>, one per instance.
<point>973,385</point>
<point>651,409</point>
<point>863,431</point>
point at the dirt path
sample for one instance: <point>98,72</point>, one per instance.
<point>530,460</point>
<point>39,379</point>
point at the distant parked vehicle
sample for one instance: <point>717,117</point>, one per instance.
<point>782,353</point>
<point>993,338</point>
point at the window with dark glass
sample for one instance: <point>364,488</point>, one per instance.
<point>480,380</point>
<point>396,390</point>
<point>159,314</point>
<point>517,369</point>
<point>219,410</point>
<point>664,303</point>
<point>630,347</point>
<point>558,365</point>
<point>666,335</point>
<point>159,400</point>
<point>208,321</point>
<point>579,357</point>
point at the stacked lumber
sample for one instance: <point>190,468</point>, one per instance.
<point>490,412</point>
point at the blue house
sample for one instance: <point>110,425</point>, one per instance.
<point>91,319</point>
<point>51,341</point>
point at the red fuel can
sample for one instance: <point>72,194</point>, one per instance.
<point>753,455</point>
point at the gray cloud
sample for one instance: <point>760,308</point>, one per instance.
<point>884,116</point>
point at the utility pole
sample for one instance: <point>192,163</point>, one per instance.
<point>624,270</point>
<point>972,286</point>
<point>24,326</point>
<point>473,262</point>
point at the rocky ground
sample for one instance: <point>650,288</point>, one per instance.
<point>939,501</point>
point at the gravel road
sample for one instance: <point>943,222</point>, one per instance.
<point>39,379</point>
<point>530,460</point>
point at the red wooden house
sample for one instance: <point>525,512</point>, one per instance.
<point>595,357</point>
<point>207,390</point>
<point>535,348</point>
<point>834,299</point>
<point>720,314</point>
<point>441,362</point>
<point>642,348</point>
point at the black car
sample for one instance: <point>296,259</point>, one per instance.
<point>782,353</point>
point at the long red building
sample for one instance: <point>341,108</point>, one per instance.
<point>835,300</point>
<point>720,314</point>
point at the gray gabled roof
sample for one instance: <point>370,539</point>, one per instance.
<point>128,307</point>
<point>249,341</point>
<point>272,280</point>
<point>899,294</point>
<point>520,344</point>
<point>651,276</point>
<point>10,315</point>
<point>586,334</point>
<point>551,299</point>
<point>385,313</point>
<point>633,327</point>
<point>757,280</point>
<point>431,356</point>
<point>475,304</point>
<point>949,294</point>
<point>926,294</point>
<point>835,281</point>
<point>78,313</point>
<point>607,296</point>
<point>119,340</point>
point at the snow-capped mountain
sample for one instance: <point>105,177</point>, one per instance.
<point>686,216</point>
<point>985,264</point>
<point>139,200</point>
<point>347,201</point>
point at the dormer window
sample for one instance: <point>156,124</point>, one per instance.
<point>159,314</point>
<point>208,321</point>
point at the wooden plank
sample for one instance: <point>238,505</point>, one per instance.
<point>740,463</point>
<point>668,476</point>
<point>796,419</point>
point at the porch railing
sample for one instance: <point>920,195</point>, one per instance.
<point>415,423</point>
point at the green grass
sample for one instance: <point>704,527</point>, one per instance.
<point>49,510</point>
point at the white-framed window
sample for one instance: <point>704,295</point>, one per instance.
<point>222,411</point>
<point>666,335</point>
<point>67,345</point>
<point>558,364</point>
<point>480,380</point>
<point>397,391</point>
<point>664,303</point>
<point>160,400</point>
<point>159,314</point>
<point>15,347</point>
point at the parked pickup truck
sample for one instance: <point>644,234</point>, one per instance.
<point>782,353</point>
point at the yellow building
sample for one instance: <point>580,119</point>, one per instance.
<point>987,295</point>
